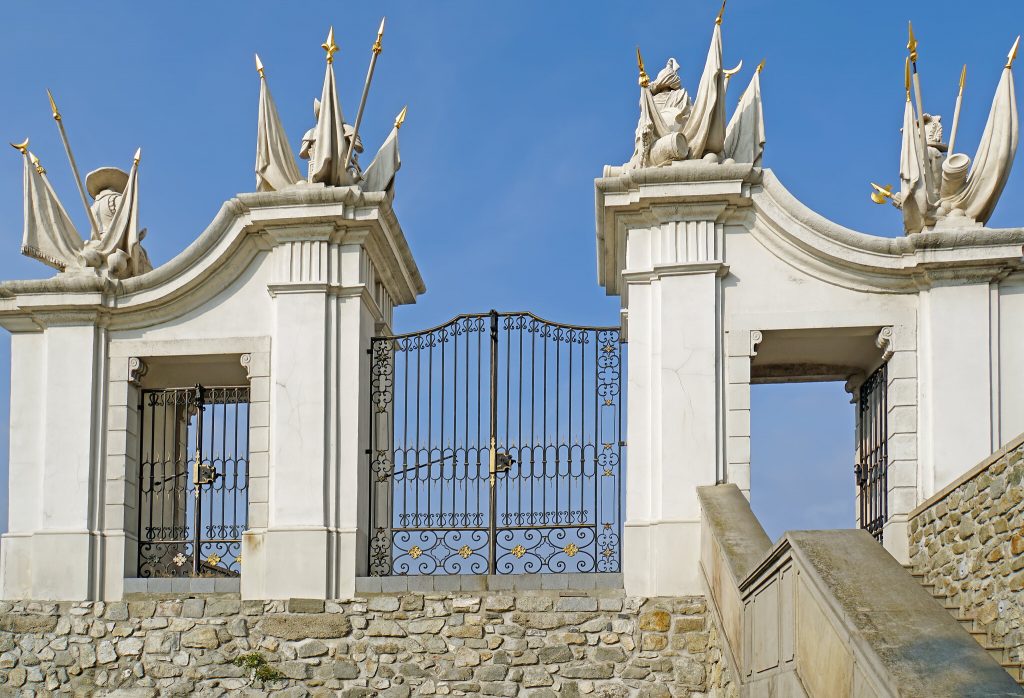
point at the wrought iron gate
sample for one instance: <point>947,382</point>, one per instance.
<point>872,453</point>
<point>193,481</point>
<point>495,447</point>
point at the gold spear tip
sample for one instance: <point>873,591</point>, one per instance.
<point>380,35</point>
<point>718,19</point>
<point>911,42</point>
<point>138,156</point>
<point>963,78</point>
<point>21,147</point>
<point>329,46</point>
<point>1013,53</point>
<point>880,193</point>
<point>259,65</point>
<point>644,79</point>
<point>400,119</point>
<point>35,161</point>
<point>53,106</point>
<point>760,66</point>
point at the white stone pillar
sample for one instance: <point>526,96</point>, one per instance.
<point>956,391</point>
<point>661,248</point>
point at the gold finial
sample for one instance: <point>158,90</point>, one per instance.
<point>1013,53</point>
<point>21,147</point>
<point>35,161</point>
<point>760,66</point>
<point>138,156</point>
<point>377,47</point>
<point>911,43</point>
<point>53,106</point>
<point>963,79</point>
<point>259,65</point>
<point>880,193</point>
<point>330,46</point>
<point>718,19</point>
<point>906,77</point>
<point>400,119</point>
<point>644,79</point>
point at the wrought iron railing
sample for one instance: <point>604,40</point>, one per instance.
<point>496,447</point>
<point>872,453</point>
<point>193,481</point>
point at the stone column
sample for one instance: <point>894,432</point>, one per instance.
<point>52,550</point>
<point>661,249</point>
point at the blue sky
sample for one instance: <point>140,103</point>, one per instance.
<point>513,110</point>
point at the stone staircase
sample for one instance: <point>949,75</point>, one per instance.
<point>1001,654</point>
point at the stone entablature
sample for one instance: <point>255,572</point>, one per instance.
<point>538,643</point>
<point>968,541</point>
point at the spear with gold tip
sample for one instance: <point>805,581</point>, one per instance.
<point>375,52</point>
<point>1010,57</point>
<point>718,19</point>
<point>74,167</point>
<point>922,139</point>
<point>956,110</point>
<point>644,79</point>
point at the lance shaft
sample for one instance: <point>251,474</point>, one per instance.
<point>921,137</point>
<point>362,100</point>
<point>74,167</point>
<point>956,111</point>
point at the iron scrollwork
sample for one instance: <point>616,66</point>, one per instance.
<point>496,448</point>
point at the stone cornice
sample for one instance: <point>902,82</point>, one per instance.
<point>739,195</point>
<point>245,226</point>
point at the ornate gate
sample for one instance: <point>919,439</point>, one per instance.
<point>495,447</point>
<point>193,481</point>
<point>872,453</point>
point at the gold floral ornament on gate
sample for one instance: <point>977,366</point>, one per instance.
<point>213,559</point>
<point>415,551</point>
<point>180,559</point>
<point>519,551</point>
<point>465,552</point>
<point>570,549</point>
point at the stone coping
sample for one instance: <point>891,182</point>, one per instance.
<point>1011,445</point>
<point>605,581</point>
<point>181,585</point>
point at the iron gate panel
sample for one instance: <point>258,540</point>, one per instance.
<point>872,453</point>
<point>495,447</point>
<point>193,481</point>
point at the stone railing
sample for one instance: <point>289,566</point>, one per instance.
<point>968,541</point>
<point>538,643</point>
<point>830,614</point>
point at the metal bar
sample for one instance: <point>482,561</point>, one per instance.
<point>197,515</point>
<point>493,453</point>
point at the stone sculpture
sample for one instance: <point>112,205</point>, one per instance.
<point>331,146</point>
<point>940,188</point>
<point>671,128</point>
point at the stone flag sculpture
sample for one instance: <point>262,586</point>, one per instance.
<point>744,135</point>
<point>331,146</point>
<point>275,163</point>
<point>672,129</point>
<point>940,191</point>
<point>49,235</point>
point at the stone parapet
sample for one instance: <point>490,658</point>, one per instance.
<point>540,643</point>
<point>968,541</point>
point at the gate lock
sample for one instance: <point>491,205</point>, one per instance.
<point>503,462</point>
<point>205,474</point>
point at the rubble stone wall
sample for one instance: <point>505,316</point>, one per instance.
<point>539,643</point>
<point>968,540</point>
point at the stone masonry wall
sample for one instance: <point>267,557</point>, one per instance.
<point>969,542</point>
<point>541,643</point>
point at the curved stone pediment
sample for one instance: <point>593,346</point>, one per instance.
<point>245,226</point>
